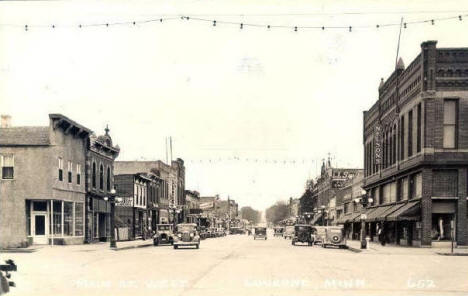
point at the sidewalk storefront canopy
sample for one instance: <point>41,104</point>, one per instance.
<point>410,211</point>
<point>377,214</point>
<point>342,219</point>
<point>355,217</point>
<point>316,218</point>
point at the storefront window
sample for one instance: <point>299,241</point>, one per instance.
<point>79,219</point>
<point>57,218</point>
<point>68,218</point>
<point>418,185</point>
<point>441,227</point>
<point>404,188</point>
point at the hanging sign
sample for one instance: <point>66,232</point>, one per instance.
<point>378,144</point>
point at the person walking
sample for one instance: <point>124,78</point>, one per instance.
<point>381,233</point>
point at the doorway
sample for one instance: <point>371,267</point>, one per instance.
<point>39,222</point>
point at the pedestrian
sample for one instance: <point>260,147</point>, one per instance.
<point>381,234</point>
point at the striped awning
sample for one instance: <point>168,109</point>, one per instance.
<point>410,211</point>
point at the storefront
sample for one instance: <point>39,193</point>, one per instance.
<point>124,219</point>
<point>100,221</point>
<point>443,220</point>
<point>55,222</point>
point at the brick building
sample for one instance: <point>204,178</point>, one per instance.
<point>416,150</point>
<point>99,173</point>
<point>42,184</point>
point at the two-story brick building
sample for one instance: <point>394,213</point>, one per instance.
<point>416,150</point>
<point>42,185</point>
<point>99,170</point>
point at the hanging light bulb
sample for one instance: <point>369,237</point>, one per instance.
<point>241,26</point>
<point>323,28</point>
<point>214,23</point>
<point>377,26</point>
<point>432,22</point>
<point>25,27</point>
<point>295,29</point>
<point>268,27</point>
<point>107,25</point>
<point>160,20</point>
<point>350,28</point>
<point>404,25</point>
<point>53,26</point>
<point>134,23</point>
<point>460,18</point>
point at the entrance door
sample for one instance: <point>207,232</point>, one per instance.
<point>40,229</point>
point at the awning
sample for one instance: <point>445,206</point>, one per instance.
<point>375,214</point>
<point>343,219</point>
<point>410,211</point>
<point>316,218</point>
<point>354,218</point>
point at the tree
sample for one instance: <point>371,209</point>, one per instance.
<point>277,212</point>
<point>306,204</point>
<point>250,214</point>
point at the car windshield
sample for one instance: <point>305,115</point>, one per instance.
<point>163,227</point>
<point>260,230</point>
<point>185,228</point>
<point>302,228</point>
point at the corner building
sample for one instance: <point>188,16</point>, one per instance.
<point>416,151</point>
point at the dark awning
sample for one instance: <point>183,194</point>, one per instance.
<point>343,219</point>
<point>377,213</point>
<point>410,211</point>
<point>355,217</point>
<point>316,218</point>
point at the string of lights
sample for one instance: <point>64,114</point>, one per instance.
<point>242,25</point>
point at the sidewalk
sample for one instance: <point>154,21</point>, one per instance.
<point>389,249</point>
<point>123,245</point>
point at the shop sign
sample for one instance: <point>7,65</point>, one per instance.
<point>125,202</point>
<point>378,144</point>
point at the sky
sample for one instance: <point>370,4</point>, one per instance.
<point>252,112</point>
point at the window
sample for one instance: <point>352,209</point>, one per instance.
<point>101,177</point>
<point>410,133</point>
<point>405,188</point>
<point>402,138</point>
<point>57,218</point>
<point>418,185</point>
<point>78,174</point>
<point>450,124</point>
<point>8,165</point>
<point>108,177</point>
<point>418,133</point>
<point>68,218</point>
<point>60,169</point>
<point>94,175</point>
<point>70,169</point>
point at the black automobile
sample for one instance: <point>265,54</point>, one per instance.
<point>260,232</point>
<point>303,233</point>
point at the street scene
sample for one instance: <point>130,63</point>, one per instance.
<point>153,148</point>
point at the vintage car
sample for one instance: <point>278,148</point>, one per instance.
<point>278,231</point>
<point>303,234</point>
<point>163,235</point>
<point>288,232</point>
<point>260,232</point>
<point>203,233</point>
<point>319,233</point>
<point>212,232</point>
<point>236,230</point>
<point>334,236</point>
<point>186,235</point>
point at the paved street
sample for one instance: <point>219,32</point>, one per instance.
<point>236,265</point>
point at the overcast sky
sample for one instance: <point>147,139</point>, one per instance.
<point>255,95</point>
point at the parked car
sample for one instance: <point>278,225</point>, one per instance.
<point>334,236</point>
<point>288,232</point>
<point>221,232</point>
<point>278,231</point>
<point>186,235</point>
<point>212,232</point>
<point>203,233</point>
<point>319,233</point>
<point>260,232</point>
<point>236,230</point>
<point>303,234</point>
<point>164,234</point>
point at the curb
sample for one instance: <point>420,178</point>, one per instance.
<point>133,247</point>
<point>17,250</point>
<point>353,249</point>
<point>452,254</point>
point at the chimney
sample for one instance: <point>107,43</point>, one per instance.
<point>6,121</point>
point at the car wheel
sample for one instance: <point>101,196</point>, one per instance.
<point>175,247</point>
<point>197,246</point>
<point>155,242</point>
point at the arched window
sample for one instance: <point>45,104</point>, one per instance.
<point>101,177</point>
<point>108,179</point>
<point>94,175</point>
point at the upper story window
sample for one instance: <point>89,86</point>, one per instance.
<point>101,177</point>
<point>108,179</point>
<point>450,123</point>
<point>70,169</point>
<point>60,169</point>
<point>8,166</point>
<point>94,175</point>
<point>78,173</point>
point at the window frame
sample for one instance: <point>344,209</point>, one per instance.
<point>2,164</point>
<point>454,124</point>
<point>70,171</point>
<point>60,169</point>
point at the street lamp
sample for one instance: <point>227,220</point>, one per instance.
<point>364,200</point>
<point>322,210</point>
<point>174,210</point>
<point>112,200</point>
